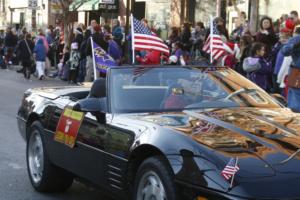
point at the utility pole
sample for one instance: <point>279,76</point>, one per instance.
<point>33,20</point>
<point>11,15</point>
<point>127,17</point>
<point>218,8</point>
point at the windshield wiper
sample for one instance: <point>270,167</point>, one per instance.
<point>242,90</point>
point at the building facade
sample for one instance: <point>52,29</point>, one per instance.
<point>18,13</point>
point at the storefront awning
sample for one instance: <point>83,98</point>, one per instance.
<point>88,5</point>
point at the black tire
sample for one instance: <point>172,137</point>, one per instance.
<point>51,178</point>
<point>157,165</point>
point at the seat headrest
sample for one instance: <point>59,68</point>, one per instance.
<point>98,89</point>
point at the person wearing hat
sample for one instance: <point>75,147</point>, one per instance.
<point>286,32</point>
<point>292,48</point>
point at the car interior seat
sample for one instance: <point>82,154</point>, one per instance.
<point>98,89</point>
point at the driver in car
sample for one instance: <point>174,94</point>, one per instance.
<point>184,93</point>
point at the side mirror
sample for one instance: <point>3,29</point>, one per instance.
<point>280,99</point>
<point>92,105</point>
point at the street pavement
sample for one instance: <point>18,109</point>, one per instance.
<point>14,181</point>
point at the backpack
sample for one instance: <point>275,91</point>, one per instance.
<point>251,64</point>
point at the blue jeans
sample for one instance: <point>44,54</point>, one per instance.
<point>294,99</point>
<point>81,70</point>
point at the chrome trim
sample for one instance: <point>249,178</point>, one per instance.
<point>114,180</point>
<point>94,148</point>
<point>21,118</point>
<point>119,188</point>
<point>114,174</point>
<point>116,168</point>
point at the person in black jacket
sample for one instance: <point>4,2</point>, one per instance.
<point>10,42</point>
<point>78,36</point>
<point>82,66</point>
<point>98,38</point>
<point>245,46</point>
<point>24,52</point>
<point>185,37</point>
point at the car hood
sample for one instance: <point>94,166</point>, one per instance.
<point>262,139</point>
<point>55,92</point>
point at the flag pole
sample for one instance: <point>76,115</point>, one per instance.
<point>232,178</point>
<point>94,63</point>
<point>211,36</point>
<point>132,39</point>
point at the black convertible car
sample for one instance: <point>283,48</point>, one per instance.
<point>156,133</point>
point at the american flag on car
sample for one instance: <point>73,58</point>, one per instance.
<point>230,169</point>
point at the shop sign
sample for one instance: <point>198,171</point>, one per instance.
<point>110,5</point>
<point>32,4</point>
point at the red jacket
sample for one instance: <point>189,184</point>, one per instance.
<point>151,58</point>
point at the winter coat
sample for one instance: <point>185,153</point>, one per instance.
<point>289,50</point>
<point>268,39</point>
<point>185,40</point>
<point>40,51</point>
<point>10,40</point>
<point>78,39</point>
<point>278,63</point>
<point>83,45</point>
<point>262,76</point>
<point>237,33</point>
<point>151,58</point>
<point>45,42</point>
<point>22,50</point>
<point>49,39</point>
<point>244,54</point>
<point>198,38</point>
<point>117,34</point>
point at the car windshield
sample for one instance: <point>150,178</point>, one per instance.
<point>179,88</point>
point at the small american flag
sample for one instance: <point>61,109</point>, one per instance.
<point>145,39</point>
<point>230,169</point>
<point>214,44</point>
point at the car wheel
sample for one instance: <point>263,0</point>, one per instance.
<point>154,181</point>
<point>44,176</point>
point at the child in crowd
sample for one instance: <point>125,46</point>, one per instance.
<point>40,56</point>
<point>74,63</point>
<point>182,55</point>
<point>257,67</point>
<point>62,68</point>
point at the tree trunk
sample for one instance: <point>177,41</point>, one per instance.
<point>68,26</point>
<point>254,16</point>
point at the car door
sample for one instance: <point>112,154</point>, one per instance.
<point>85,159</point>
<point>110,145</point>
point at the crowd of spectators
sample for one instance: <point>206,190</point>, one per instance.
<point>262,57</point>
